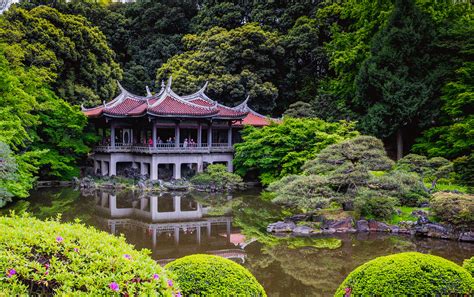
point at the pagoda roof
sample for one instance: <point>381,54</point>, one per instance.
<point>166,103</point>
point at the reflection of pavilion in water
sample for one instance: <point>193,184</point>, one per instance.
<point>170,225</point>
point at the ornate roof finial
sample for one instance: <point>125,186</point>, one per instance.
<point>148,93</point>
<point>103,102</point>
<point>82,107</point>
<point>203,88</point>
<point>162,83</point>
<point>168,86</point>
<point>120,87</point>
<point>243,106</point>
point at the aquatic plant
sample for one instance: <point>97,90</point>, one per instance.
<point>208,275</point>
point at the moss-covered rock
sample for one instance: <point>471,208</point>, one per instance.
<point>207,275</point>
<point>408,274</point>
<point>52,258</point>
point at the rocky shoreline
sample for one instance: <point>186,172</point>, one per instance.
<point>298,225</point>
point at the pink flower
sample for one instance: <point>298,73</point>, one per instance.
<point>46,265</point>
<point>47,272</point>
<point>11,272</point>
<point>348,292</point>
<point>127,256</point>
<point>156,276</point>
<point>76,250</point>
<point>170,283</point>
<point>178,294</point>
<point>114,286</point>
<point>59,239</point>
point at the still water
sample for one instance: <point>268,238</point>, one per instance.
<point>173,225</point>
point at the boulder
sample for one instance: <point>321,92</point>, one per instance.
<point>466,236</point>
<point>297,218</point>
<point>375,226</point>
<point>433,230</point>
<point>343,225</point>
<point>422,220</point>
<point>303,230</point>
<point>280,227</point>
<point>362,226</point>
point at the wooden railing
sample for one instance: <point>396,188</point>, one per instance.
<point>164,148</point>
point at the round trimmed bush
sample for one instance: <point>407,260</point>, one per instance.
<point>207,275</point>
<point>412,274</point>
<point>52,258</point>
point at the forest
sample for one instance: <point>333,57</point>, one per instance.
<point>399,70</point>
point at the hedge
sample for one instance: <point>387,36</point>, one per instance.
<point>408,274</point>
<point>207,275</point>
<point>49,257</point>
<point>469,265</point>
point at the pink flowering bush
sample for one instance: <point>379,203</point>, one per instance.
<point>51,258</point>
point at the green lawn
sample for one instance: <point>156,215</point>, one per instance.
<point>406,214</point>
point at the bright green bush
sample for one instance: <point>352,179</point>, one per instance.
<point>207,275</point>
<point>408,274</point>
<point>49,257</point>
<point>217,177</point>
<point>469,265</point>
<point>457,209</point>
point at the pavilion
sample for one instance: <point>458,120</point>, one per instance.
<point>165,134</point>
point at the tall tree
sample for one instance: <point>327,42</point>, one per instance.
<point>236,63</point>
<point>73,51</point>
<point>397,86</point>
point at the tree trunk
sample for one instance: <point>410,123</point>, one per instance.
<point>399,144</point>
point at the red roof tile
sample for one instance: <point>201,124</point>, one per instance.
<point>170,106</point>
<point>224,111</point>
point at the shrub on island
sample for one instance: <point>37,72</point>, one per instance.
<point>208,275</point>
<point>408,274</point>
<point>43,258</point>
<point>216,177</point>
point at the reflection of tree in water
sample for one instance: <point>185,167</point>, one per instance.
<point>318,272</point>
<point>49,202</point>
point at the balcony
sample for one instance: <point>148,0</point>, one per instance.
<point>165,148</point>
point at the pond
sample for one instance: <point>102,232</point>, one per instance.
<point>172,225</point>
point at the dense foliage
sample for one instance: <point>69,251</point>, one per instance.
<point>457,209</point>
<point>408,274</point>
<point>45,134</point>
<point>282,148</point>
<point>216,177</point>
<point>74,54</point>
<point>48,257</point>
<point>469,265</point>
<point>207,275</point>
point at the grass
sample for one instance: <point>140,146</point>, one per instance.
<point>406,214</point>
<point>447,187</point>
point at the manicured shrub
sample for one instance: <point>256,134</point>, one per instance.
<point>408,274</point>
<point>51,258</point>
<point>469,265</point>
<point>457,209</point>
<point>217,177</point>
<point>207,275</point>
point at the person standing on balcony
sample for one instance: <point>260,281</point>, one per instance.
<point>150,141</point>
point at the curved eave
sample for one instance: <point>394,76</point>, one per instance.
<point>180,115</point>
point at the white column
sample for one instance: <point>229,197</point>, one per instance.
<point>154,169</point>
<point>208,229</point>
<point>112,134</point>
<point>154,207</point>
<point>199,138</point>
<point>177,203</point>
<point>230,166</point>
<point>176,135</point>
<point>176,235</point>
<point>112,166</point>
<point>229,134</point>
<point>177,171</point>
<point>143,169</point>
<point>209,135</point>
<point>198,235</point>
<point>154,133</point>
<point>154,237</point>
